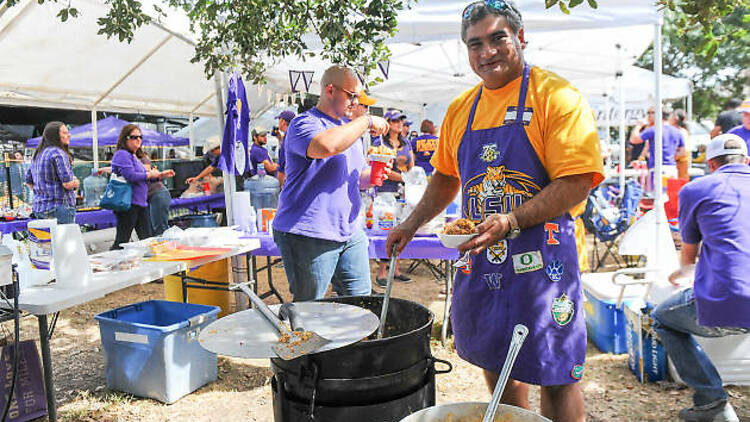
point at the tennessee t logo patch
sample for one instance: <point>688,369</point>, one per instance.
<point>551,229</point>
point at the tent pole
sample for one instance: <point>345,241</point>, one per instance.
<point>191,136</point>
<point>658,141</point>
<point>228,178</point>
<point>608,160</point>
<point>689,106</point>
<point>95,142</point>
<point>621,99</point>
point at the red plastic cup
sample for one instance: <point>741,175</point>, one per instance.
<point>377,174</point>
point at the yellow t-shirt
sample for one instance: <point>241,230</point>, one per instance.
<point>562,129</point>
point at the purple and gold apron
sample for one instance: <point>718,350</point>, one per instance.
<point>533,279</point>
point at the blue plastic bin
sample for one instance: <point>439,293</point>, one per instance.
<point>151,348</point>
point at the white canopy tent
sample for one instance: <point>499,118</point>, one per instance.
<point>68,65</point>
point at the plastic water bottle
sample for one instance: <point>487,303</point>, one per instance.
<point>264,189</point>
<point>93,189</point>
<point>252,227</point>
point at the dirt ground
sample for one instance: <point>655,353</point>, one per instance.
<point>243,393</point>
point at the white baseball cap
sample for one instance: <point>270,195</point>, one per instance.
<point>212,143</point>
<point>716,146</point>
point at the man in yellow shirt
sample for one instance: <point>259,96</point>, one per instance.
<point>523,147</point>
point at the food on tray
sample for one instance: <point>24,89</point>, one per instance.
<point>460,226</point>
<point>158,247</point>
<point>118,260</point>
<point>381,150</point>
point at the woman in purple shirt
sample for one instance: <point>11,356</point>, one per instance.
<point>125,164</point>
<point>51,176</point>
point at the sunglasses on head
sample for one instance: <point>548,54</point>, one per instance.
<point>131,137</point>
<point>498,5</point>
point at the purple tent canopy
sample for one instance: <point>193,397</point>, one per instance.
<point>108,130</point>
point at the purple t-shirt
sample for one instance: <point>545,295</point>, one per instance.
<point>320,198</point>
<point>282,156</point>
<point>671,140</point>
<point>258,155</point>
<point>125,164</point>
<point>743,133</point>
<point>714,210</point>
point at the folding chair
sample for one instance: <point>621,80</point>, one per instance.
<point>608,215</point>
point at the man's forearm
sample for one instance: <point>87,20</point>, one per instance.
<point>440,192</point>
<point>337,139</point>
<point>554,200</point>
<point>688,253</point>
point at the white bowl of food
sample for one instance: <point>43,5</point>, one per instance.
<point>457,232</point>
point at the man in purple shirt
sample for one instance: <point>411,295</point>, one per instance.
<point>743,130</point>
<point>259,154</point>
<point>713,220</point>
<point>285,117</point>
<point>316,226</point>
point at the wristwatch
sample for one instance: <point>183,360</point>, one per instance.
<point>515,230</point>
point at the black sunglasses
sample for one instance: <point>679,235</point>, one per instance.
<point>498,5</point>
<point>131,137</point>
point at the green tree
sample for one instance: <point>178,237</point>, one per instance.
<point>718,73</point>
<point>250,35</point>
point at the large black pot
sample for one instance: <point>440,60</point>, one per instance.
<point>372,370</point>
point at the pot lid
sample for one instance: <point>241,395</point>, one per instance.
<point>247,334</point>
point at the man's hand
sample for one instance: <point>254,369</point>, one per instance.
<point>401,235</point>
<point>491,231</point>
<point>190,180</point>
<point>166,174</point>
<point>674,277</point>
<point>379,126</point>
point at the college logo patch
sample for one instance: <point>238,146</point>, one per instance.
<point>493,280</point>
<point>497,253</point>
<point>577,372</point>
<point>527,262</point>
<point>466,269</point>
<point>562,310</point>
<point>498,190</point>
<point>551,229</point>
<point>555,270</point>
<point>489,153</point>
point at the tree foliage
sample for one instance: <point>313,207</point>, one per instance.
<point>250,35</point>
<point>718,73</point>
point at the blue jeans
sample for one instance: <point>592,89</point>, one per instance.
<point>676,321</point>
<point>64,214</point>
<point>158,209</point>
<point>312,264</point>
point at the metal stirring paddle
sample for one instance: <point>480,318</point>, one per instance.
<point>519,335</point>
<point>387,295</point>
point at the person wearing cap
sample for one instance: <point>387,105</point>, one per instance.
<point>425,146</point>
<point>522,146</point>
<point>316,226</point>
<point>715,230</point>
<point>285,117</point>
<point>212,151</point>
<point>727,119</point>
<point>259,154</point>
<point>401,148</point>
<point>743,130</point>
<point>405,127</point>
<point>362,108</point>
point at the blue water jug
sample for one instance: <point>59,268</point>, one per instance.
<point>93,189</point>
<point>264,189</point>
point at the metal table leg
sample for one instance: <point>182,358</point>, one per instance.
<point>44,338</point>
<point>446,308</point>
<point>184,281</point>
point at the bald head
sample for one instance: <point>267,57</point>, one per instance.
<point>338,76</point>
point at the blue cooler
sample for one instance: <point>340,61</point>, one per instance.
<point>605,323</point>
<point>151,348</point>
